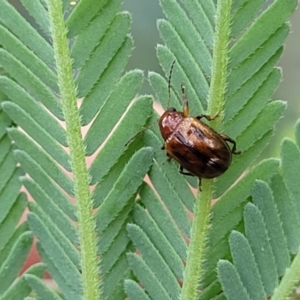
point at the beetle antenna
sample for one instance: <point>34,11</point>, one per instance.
<point>184,102</point>
<point>169,82</point>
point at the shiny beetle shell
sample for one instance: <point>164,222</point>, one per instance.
<point>198,149</point>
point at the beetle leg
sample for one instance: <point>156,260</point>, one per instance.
<point>181,171</point>
<point>209,118</point>
<point>190,174</point>
<point>226,138</point>
<point>185,102</point>
<point>200,185</point>
<point>163,147</point>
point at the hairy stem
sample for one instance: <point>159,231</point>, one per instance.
<point>193,269</point>
<point>86,222</point>
<point>196,251</point>
<point>220,62</point>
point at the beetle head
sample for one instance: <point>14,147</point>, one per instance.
<point>169,120</point>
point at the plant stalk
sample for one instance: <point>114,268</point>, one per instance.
<point>193,269</point>
<point>86,221</point>
<point>196,252</point>
<point>218,85</point>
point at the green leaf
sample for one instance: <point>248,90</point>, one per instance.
<point>245,15</point>
<point>188,34</point>
<point>7,168</point>
<point>53,170</point>
<point>163,220</point>
<point>82,15</point>
<point>251,65</point>
<point>270,234</point>
<point>109,235</point>
<point>7,227</point>
<point>289,280</point>
<point>105,185</point>
<point>153,260</point>
<point>115,146</point>
<point>39,13</point>
<point>176,207</point>
<point>9,194</point>
<point>160,87</point>
<point>90,36</point>
<point>40,288</point>
<point>242,191</point>
<point>57,274</point>
<point>201,14</point>
<point>170,171</point>
<point>31,81</point>
<point>147,278</point>
<point>14,261</point>
<point>246,266</point>
<point>89,45</point>
<point>253,142</point>
<point>132,176</point>
<point>27,57</point>
<point>290,169</point>
<point>57,234</point>
<point>158,239</point>
<point>39,134</point>
<point>41,178</point>
<point>102,88</point>
<point>113,281</point>
<point>5,121</point>
<point>134,291</point>
<point>247,115</point>
<point>20,289</point>
<point>270,20</point>
<point>287,213</point>
<point>91,70</point>
<point>35,93</point>
<point>240,163</point>
<point>255,105</point>
<point>232,284</point>
<point>114,252</point>
<point>257,235</point>
<point>29,105</point>
<point>11,19</point>
<point>55,253</point>
<point>12,241</point>
<point>183,58</point>
<point>105,122</point>
<point>6,146</point>
<point>238,100</point>
<point>264,200</point>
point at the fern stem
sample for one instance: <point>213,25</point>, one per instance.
<point>195,257</point>
<point>220,62</point>
<point>193,269</point>
<point>86,222</point>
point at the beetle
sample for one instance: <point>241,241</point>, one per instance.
<point>199,149</point>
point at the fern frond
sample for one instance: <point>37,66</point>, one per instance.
<point>16,238</point>
<point>247,116</point>
<point>36,90</point>
<point>268,234</point>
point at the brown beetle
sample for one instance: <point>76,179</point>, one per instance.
<point>198,148</point>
